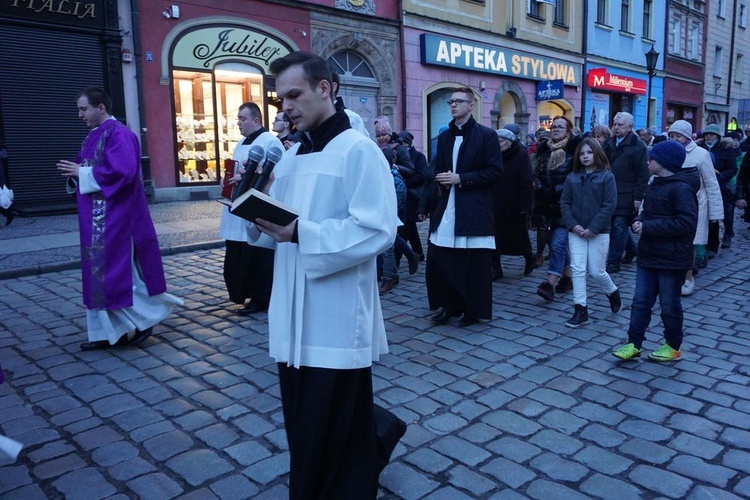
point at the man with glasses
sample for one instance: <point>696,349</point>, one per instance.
<point>462,222</point>
<point>628,159</point>
<point>283,129</point>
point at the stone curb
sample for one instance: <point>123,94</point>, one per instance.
<point>52,267</point>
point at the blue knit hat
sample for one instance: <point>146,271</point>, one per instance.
<point>669,154</point>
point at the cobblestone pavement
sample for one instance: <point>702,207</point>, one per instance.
<point>517,407</point>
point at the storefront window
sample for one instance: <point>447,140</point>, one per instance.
<point>206,105</point>
<point>547,110</point>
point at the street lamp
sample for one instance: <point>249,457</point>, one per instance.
<point>652,57</point>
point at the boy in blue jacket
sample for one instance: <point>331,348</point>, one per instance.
<point>667,224</point>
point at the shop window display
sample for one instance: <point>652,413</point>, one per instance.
<point>206,105</point>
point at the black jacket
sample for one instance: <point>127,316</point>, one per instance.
<point>479,165</point>
<point>548,184</point>
<point>670,217</point>
<point>415,183</point>
<point>725,166</point>
<point>629,163</point>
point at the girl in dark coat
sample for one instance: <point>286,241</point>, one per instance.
<point>513,201</point>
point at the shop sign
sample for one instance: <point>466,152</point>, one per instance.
<point>600,79</point>
<point>551,89</point>
<point>89,13</point>
<point>206,47</point>
<point>462,54</point>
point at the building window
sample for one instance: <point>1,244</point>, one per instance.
<point>350,64</point>
<point>601,12</point>
<point>676,36</point>
<point>206,105</point>
<point>718,55</point>
<point>560,8</point>
<point>739,62</point>
<point>647,6</point>
<point>743,16</point>
<point>625,16</point>
<point>533,9</point>
<point>722,8</point>
<point>696,35</point>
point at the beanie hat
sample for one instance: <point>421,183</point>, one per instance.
<point>669,154</point>
<point>683,128</point>
<point>513,127</point>
<point>406,137</point>
<point>712,129</point>
<point>506,134</point>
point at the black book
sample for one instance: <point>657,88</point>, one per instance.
<point>254,204</point>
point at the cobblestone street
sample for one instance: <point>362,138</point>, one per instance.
<point>518,407</point>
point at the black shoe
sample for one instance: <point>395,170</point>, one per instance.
<point>443,316</point>
<point>529,267</point>
<point>98,345</point>
<point>613,267</point>
<point>615,302</point>
<point>467,320</point>
<point>413,263</point>
<point>701,262</point>
<point>564,285</point>
<point>141,335</point>
<point>628,258</point>
<point>421,257</point>
<point>546,291</point>
<point>252,307</point>
<point>710,254</point>
<point>726,242</point>
<point>9,218</point>
<point>580,316</point>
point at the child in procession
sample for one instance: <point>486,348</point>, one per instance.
<point>667,224</point>
<point>588,202</point>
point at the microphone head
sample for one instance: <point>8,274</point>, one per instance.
<point>255,155</point>
<point>273,154</point>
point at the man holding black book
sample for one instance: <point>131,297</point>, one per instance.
<point>325,321</point>
<point>248,270</point>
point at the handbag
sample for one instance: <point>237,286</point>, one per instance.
<point>6,197</point>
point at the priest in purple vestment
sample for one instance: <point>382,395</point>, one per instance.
<point>124,289</point>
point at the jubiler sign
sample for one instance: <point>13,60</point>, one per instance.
<point>463,54</point>
<point>206,47</point>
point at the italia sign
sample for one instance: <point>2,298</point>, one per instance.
<point>462,54</point>
<point>600,79</point>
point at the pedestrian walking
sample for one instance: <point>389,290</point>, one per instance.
<point>124,288</point>
<point>588,202</point>
<point>325,321</point>
<point>667,225</point>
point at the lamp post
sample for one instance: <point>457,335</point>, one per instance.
<point>652,57</point>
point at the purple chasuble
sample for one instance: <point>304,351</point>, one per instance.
<point>115,221</point>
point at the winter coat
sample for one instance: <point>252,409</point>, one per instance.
<point>670,218</point>
<point>548,184</point>
<point>589,200</point>
<point>480,166</point>
<point>725,166</point>
<point>629,164</point>
<point>415,183</point>
<point>710,205</point>
<point>514,197</point>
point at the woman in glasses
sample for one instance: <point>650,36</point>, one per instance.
<point>554,160</point>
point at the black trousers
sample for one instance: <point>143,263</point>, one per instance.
<point>248,272</point>
<point>460,280</point>
<point>410,233</point>
<point>339,440</point>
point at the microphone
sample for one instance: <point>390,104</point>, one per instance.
<point>273,155</point>
<point>254,157</point>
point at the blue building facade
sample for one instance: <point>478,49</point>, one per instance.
<point>619,33</point>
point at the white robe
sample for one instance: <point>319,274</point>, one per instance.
<point>325,308</point>
<point>710,205</point>
<point>232,227</point>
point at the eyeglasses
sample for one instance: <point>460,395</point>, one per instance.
<point>558,127</point>
<point>456,101</point>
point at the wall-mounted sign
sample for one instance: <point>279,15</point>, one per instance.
<point>205,47</point>
<point>551,89</point>
<point>463,54</point>
<point>600,79</point>
<point>88,13</point>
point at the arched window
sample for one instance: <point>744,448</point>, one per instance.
<point>350,64</point>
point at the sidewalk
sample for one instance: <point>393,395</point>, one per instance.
<point>37,245</point>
